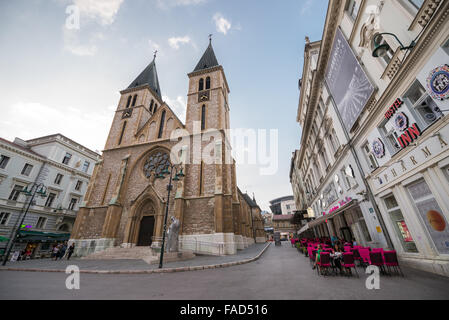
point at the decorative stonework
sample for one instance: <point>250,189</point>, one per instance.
<point>425,13</point>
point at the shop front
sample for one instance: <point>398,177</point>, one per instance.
<point>411,184</point>
<point>35,244</point>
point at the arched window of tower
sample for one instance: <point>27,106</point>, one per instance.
<point>151,105</point>
<point>129,101</point>
<point>207,83</point>
<point>201,85</point>
<point>134,100</point>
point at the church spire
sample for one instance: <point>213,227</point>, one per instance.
<point>208,60</point>
<point>148,77</point>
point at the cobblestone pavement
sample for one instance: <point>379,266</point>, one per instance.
<point>83,264</point>
<point>281,273</point>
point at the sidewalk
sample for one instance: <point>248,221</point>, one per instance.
<point>115,266</point>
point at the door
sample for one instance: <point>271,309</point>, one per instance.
<point>146,231</point>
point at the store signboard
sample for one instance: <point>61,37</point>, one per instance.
<point>348,83</point>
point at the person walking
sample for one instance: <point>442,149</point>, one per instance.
<point>56,251</point>
<point>62,251</point>
<point>70,251</point>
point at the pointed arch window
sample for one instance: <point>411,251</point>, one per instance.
<point>161,126</point>
<point>207,83</point>
<point>121,134</point>
<point>151,105</point>
<point>129,102</point>
<point>201,85</point>
<point>134,100</point>
<point>155,108</point>
<point>203,117</point>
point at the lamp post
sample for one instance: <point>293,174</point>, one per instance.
<point>381,49</point>
<point>178,176</point>
<point>31,190</point>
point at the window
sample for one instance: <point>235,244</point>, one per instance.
<point>27,169</point>
<point>58,178</point>
<point>129,102</point>
<point>203,117</point>
<point>390,136</point>
<point>369,156</point>
<point>51,197</point>
<point>352,8</point>
<point>15,193</point>
<point>445,47</point>
<point>67,158</point>
<point>134,100</point>
<point>72,204</point>
<point>151,105</point>
<point>155,108</point>
<point>86,166</point>
<point>161,126</point>
<point>78,185</point>
<point>288,207</point>
<point>431,215</point>
<point>345,177</point>
<point>3,161</point>
<point>207,83</point>
<point>4,216</point>
<point>201,85</point>
<point>416,3</point>
<point>422,106</point>
<point>41,223</point>
<point>121,134</point>
<point>399,225</point>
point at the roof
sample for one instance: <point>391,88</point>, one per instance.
<point>148,77</point>
<point>277,200</point>
<point>280,217</point>
<point>250,201</point>
<point>18,146</point>
<point>208,60</point>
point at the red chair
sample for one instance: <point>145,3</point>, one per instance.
<point>324,263</point>
<point>357,256</point>
<point>364,255</point>
<point>376,259</point>
<point>347,249</point>
<point>391,260</point>
<point>348,262</point>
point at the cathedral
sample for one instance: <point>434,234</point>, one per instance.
<point>126,200</point>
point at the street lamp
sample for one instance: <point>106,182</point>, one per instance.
<point>382,49</point>
<point>31,190</point>
<point>178,175</point>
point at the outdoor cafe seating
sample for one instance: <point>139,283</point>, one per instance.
<point>387,261</point>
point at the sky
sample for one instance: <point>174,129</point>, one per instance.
<point>55,78</point>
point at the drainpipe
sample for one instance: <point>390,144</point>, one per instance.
<point>361,172</point>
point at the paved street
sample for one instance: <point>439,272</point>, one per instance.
<point>281,273</point>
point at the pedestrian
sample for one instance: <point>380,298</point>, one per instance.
<point>70,252</point>
<point>63,250</point>
<point>56,251</point>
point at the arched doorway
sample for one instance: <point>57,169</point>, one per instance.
<point>146,225</point>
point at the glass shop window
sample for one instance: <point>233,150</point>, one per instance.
<point>399,225</point>
<point>369,156</point>
<point>390,136</point>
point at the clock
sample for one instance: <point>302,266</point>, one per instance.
<point>203,96</point>
<point>127,113</point>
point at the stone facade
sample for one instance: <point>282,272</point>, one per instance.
<point>214,218</point>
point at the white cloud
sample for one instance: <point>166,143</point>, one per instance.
<point>221,23</point>
<point>73,44</point>
<point>104,11</point>
<point>165,4</point>
<point>306,7</point>
<point>178,105</point>
<point>175,41</point>
<point>28,120</point>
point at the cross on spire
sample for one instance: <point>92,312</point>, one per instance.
<point>155,53</point>
<point>210,38</point>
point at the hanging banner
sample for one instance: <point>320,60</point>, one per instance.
<point>347,81</point>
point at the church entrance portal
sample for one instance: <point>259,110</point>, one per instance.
<point>146,231</point>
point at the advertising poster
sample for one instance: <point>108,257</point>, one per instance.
<point>347,81</point>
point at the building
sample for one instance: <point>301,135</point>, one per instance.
<point>125,203</point>
<point>397,132</point>
<point>268,222</point>
<point>64,167</point>
<point>283,205</point>
<point>282,224</point>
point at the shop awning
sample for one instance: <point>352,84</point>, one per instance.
<point>323,219</point>
<point>42,236</point>
<point>304,228</point>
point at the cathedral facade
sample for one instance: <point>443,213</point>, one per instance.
<point>126,199</point>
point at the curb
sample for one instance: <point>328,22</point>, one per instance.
<point>150,271</point>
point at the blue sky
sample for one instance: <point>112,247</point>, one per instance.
<point>68,81</point>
